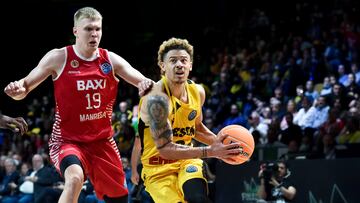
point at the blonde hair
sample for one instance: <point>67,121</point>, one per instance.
<point>174,43</point>
<point>86,12</point>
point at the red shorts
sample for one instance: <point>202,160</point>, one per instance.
<point>101,163</point>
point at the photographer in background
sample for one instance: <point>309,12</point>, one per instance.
<point>275,185</point>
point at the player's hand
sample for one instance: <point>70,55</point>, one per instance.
<point>135,177</point>
<point>220,150</point>
<point>145,86</point>
<point>17,125</point>
<point>15,88</point>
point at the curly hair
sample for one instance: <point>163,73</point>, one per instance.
<point>174,43</point>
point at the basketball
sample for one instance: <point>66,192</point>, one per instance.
<point>238,134</point>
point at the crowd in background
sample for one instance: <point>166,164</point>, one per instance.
<point>293,81</point>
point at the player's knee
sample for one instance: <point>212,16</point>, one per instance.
<point>74,181</point>
<point>74,177</point>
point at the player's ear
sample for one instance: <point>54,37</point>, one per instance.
<point>162,67</point>
<point>191,66</point>
<point>75,31</point>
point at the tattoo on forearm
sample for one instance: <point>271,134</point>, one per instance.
<point>160,127</point>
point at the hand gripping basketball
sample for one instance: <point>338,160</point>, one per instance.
<point>238,134</point>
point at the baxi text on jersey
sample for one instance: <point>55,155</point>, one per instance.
<point>90,84</point>
<point>92,116</point>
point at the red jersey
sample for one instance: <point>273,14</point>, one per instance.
<point>85,92</point>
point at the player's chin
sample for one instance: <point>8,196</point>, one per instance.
<point>180,80</point>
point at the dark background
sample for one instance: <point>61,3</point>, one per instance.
<point>330,181</point>
<point>133,29</point>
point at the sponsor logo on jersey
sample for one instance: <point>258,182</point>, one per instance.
<point>191,169</point>
<point>90,84</point>
<point>192,115</point>
<point>93,116</point>
<point>74,63</point>
<point>106,68</point>
<point>181,132</point>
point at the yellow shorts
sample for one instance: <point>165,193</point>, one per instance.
<point>164,182</point>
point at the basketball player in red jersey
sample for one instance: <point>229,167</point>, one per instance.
<point>85,89</point>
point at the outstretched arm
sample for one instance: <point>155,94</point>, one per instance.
<point>123,69</point>
<point>157,109</point>
<point>50,64</point>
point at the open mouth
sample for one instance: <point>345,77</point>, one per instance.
<point>180,73</point>
<point>93,43</point>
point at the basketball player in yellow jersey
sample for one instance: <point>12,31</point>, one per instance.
<point>169,118</point>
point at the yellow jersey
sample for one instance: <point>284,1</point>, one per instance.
<point>182,117</point>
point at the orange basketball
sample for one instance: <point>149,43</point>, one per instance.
<point>238,134</point>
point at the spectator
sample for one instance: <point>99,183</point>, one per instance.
<point>326,87</point>
<point>290,108</point>
<point>8,192</point>
<point>292,133</point>
<point>351,132</point>
<point>43,178</point>
<point>257,125</point>
<point>355,70</point>
<point>321,112</point>
<point>26,187</point>
<point>124,111</point>
<point>305,117</point>
<point>310,90</point>
<point>342,76</point>
<point>235,117</point>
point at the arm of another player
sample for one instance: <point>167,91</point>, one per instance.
<point>123,69</point>
<point>135,158</point>
<point>50,64</point>
<point>156,107</point>
<point>15,124</point>
<point>203,134</point>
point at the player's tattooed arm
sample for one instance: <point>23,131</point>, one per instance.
<point>158,110</point>
<point>161,131</point>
